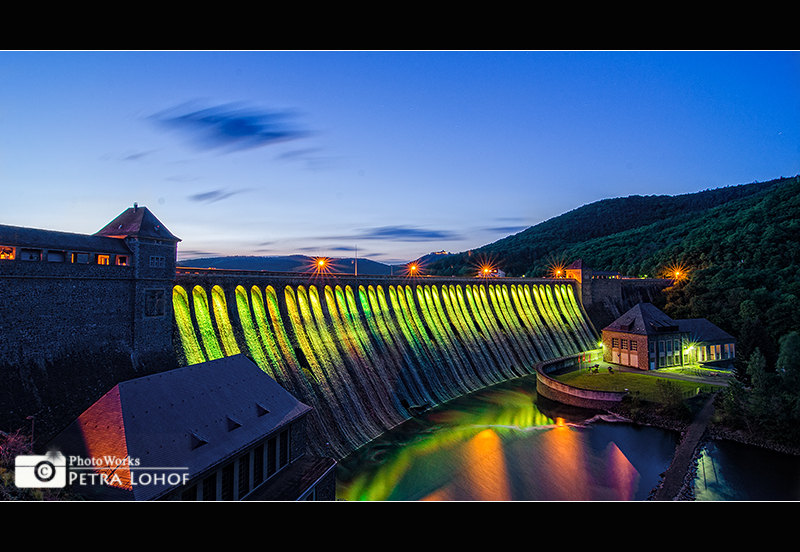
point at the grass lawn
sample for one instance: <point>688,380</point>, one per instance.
<point>643,385</point>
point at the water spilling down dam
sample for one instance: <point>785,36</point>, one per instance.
<point>368,352</point>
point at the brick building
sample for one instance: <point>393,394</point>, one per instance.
<point>646,338</point>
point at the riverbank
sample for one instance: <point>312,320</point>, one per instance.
<point>650,414</point>
<point>677,481</point>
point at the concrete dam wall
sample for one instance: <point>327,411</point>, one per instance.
<point>368,353</point>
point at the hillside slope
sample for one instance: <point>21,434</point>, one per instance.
<point>740,246</point>
<point>530,251</point>
<point>288,263</point>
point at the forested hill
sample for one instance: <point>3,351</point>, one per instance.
<point>740,245</point>
<point>531,251</point>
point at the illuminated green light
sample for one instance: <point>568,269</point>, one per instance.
<point>354,357</point>
<point>191,347</point>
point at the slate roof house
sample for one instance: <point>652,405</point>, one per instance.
<point>220,430</point>
<point>646,338</point>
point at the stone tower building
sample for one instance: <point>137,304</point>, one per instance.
<point>79,313</point>
<point>154,251</point>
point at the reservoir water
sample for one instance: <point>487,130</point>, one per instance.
<point>728,470</point>
<point>507,443</point>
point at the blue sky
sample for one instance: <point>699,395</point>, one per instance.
<point>395,153</point>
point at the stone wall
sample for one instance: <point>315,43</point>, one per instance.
<point>611,298</point>
<point>69,332</point>
<point>555,390</point>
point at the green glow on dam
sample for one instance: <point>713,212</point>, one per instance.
<point>365,356</point>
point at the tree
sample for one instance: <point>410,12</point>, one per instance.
<point>757,372</point>
<point>788,364</point>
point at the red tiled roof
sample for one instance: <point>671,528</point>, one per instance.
<point>137,222</point>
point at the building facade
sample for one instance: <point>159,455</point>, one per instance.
<point>646,338</point>
<point>79,312</point>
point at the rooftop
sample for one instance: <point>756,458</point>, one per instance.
<point>137,222</point>
<point>192,417</point>
<point>36,238</point>
<point>700,329</point>
<point>643,319</point>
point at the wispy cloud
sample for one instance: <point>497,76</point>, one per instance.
<point>127,156</point>
<point>195,254</point>
<point>229,127</point>
<point>507,229</point>
<point>213,196</point>
<point>402,233</point>
<point>136,155</point>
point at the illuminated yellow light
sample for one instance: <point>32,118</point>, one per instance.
<point>321,265</point>
<point>413,268</point>
<point>676,272</point>
<point>557,269</point>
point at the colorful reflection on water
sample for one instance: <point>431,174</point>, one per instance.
<point>732,471</point>
<point>506,443</point>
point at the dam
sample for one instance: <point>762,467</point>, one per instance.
<point>81,313</point>
<point>370,352</point>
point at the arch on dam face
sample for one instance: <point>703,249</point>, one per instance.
<point>367,353</point>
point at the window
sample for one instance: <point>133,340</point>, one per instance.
<point>258,465</point>
<point>272,456</point>
<point>244,474</point>
<point>634,345</point>
<point>56,256</point>
<point>283,451</point>
<point>189,493</point>
<point>210,487</point>
<point>30,254</point>
<point>157,262</point>
<point>615,343</point>
<point>103,259</point>
<point>122,260</point>
<point>154,302</point>
<point>7,252</point>
<point>227,482</point>
<point>277,452</point>
<point>80,258</point>
<point>624,344</point>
